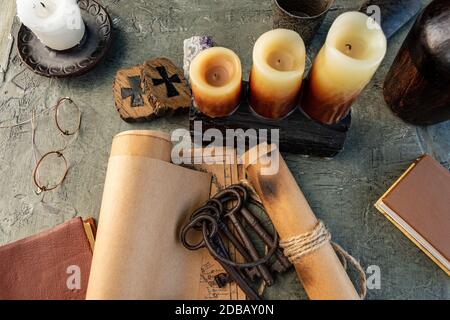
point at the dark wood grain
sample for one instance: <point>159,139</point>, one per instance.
<point>149,91</point>
<point>135,107</point>
<point>417,87</point>
<point>298,134</point>
<point>165,86</point>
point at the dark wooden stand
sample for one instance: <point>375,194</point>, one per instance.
<point>298,133</point>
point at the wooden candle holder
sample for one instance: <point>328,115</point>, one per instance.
<point>298,133</point>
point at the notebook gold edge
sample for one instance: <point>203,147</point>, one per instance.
<point>89,234</point>
<point>410,237</point>
<point>396,183</point>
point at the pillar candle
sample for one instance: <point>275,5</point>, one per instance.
<point>277,73</point>
<point>354,48</point>
<point>216,81</point>
<point>57,23</point>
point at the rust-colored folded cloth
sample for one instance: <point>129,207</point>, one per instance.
<point>52,265</point>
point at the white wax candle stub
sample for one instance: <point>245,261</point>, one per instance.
<point>57,23</point>
<point>44,9</point>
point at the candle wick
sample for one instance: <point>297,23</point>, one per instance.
<point>349,46</point>
<point>42,4</point>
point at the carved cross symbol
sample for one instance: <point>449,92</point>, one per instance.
<point>168,81</point>
<point>134,92</point>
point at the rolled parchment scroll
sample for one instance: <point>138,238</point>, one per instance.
<point>321,271</point>
<point>146,200</point>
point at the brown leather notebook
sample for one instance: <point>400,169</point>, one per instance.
<point>419,205</point>
<point>52,265</point>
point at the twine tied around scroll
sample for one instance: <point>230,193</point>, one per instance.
<point>297,247</point>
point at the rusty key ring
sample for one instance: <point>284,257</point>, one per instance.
<point>212,211</point>
<point>205,210</point>
<point>233,194</point>
<point>242,190</point>
<point>240,265</point>
<point>203,219</point>
<point>216,203</point>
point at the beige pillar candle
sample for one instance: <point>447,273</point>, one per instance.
<point>354,48</point>
<point>277,73</point>
<point>320,271</point>
<point>216,80</point>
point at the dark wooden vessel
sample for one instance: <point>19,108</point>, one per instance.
<point>417,87</point>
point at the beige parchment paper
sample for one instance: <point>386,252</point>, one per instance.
<point>146,200</point>
<point>225,171</point>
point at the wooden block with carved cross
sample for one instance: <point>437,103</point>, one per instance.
<point>149,91</point>
<point>165,86</point>
<point>130,100</point>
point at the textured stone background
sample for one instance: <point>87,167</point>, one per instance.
<point>342,191</point>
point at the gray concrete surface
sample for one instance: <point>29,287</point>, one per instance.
<point>342,191</point>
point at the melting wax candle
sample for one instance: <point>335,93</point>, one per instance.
<point>216,80</point>
<point>354,48</point>
<point>57,23</point>
<point>277,73</point>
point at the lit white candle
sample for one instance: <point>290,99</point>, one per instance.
<point>354,48</point>
<point>57,23</point>
<point>277,73</point>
